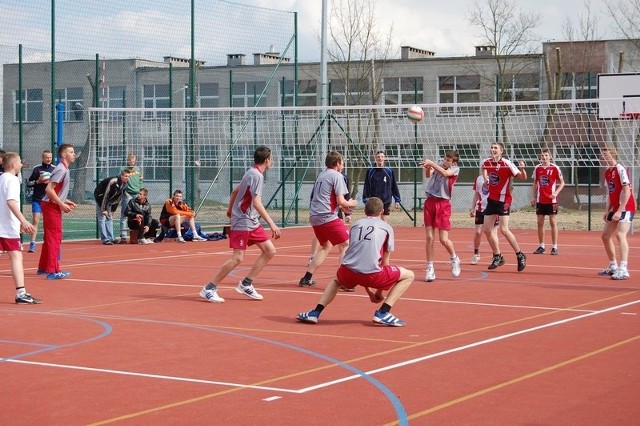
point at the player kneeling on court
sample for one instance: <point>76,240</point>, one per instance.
<point>366,263</point>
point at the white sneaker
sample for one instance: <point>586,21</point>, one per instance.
<point>248,291</point>
<point>455,267</point>
<point>475,259</point>
<point>431,274</point>
<point>199,238</point>
<point>180,239</point>
<point>144,241</point>
<point>211,295</point>
<point>620,274</point>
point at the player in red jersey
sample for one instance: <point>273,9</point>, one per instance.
<point>621,207</point>
<point>497,173</point>
<point>547,184</point>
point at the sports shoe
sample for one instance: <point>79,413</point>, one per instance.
<point>211,296</point>
<point>145,241</point>
<point>58,275</point>
<point>455,267</point>
<point>306,283</point>
<point>610,270</point>
<point>41,272</point>
<point>498,260</point>
<point>107,242</point>
<point>475,259</point>
<point>180,239</point>
<point>347,289</point>
<point>248,291</point>
<point>310,317</point>
<point>199,238</point>
<point>540,250</point>
<point>387,319</point>
<point>122,240</point>
<point>27,299</point>
<point>431,275</point>
<point>620,274</point>
<point>32,247</point>
<point>522,261</point>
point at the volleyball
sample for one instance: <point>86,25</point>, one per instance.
<point>45,176</point>
<point>415,114</point>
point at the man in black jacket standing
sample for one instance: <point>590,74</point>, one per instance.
<point>380,182</point>
<point>138,213</point>
<point>107,195</point>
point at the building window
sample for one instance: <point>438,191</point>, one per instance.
<point>579,85</point>
<point>295,160</point>
<point>307,93</point>
<point>72,100</point>
<point>248,94</point>
<point>353,92</point>
<point>157,163</point>
<point>31,106</point>
<point>156,96</point>
<point>112,97</point>
<point>208,157</point>
<point>522,87</point>
<point>402,158</point>
<point>110,160</point>
<point>403,90</point>
<point>241,160</point>
<point>208,97</point>
<point>456,90</point>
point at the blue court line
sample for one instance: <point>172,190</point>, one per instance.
<point>397,405</point>
<point>46,348</point>
<point>395,402</point>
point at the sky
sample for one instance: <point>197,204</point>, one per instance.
<point>152,30</point>
<point>439,26</point>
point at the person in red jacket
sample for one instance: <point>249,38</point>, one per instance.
<point>175,212</point>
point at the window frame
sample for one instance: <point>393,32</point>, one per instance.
<point>31,107</point>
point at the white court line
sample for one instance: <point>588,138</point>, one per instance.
<point>333,382</point>
<point>150,376</point>
<point>464,347</point>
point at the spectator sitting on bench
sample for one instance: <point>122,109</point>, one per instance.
<point>138,213</point>
<point>174,212</point>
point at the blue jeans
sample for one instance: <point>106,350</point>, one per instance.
<point>105,224</point>
<point>123,219</point>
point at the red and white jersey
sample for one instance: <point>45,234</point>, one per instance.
<point>500,173</point>
<point>547,178</point>
<point>483,193</point>
<point>616,177</point>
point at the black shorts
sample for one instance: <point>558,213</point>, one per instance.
<point>546,209</point>
<point>497,207</point>
<point>479,220</point>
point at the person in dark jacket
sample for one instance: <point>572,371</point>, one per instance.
<point>107,195</point>
<point>138,213</point>
<point>380,182</point>
<point>38,181</point>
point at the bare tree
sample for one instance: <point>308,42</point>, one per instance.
<point>626,17</point>
<point>510,31</point>
<point>359,50</point>
<point>581,50</point>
